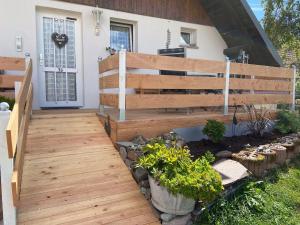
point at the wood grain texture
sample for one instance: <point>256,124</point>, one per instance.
<point>242,99</point>
<point>155,62</point>
<point>259,84</point>
<point>77,177</point>
<point>8,94</point>
<point>8,81</point>
<point>111,81</point>
<point>12,63</point>
<point>110,63</point>
<point>154,101</point>
<point>109,100</point>
<point>261,71</point>
<point>145,81</point>
<point>182,10</point>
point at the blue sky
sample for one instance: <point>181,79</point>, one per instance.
<point>257,8</point>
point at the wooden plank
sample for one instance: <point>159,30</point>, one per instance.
<point>110,63</point>
<point>155,62</point>
<point>260,85</point>
<point>8,81</point>
<point>24,89</point>
<point>12,131</point>
<point>261,71</point>
<point>144,81</point>
<point>12,63</point>
<point>109,100</point>
<point>173,101</point>
<point>76,179</point>
<point>242,99</point>
<point>111,81</point>
<point>15,189</point>
<point>8,94</point>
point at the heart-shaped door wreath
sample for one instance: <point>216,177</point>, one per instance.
<point>60,40</point>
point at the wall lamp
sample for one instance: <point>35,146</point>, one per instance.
<point>97,15</point>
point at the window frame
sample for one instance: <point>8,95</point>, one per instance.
<point>193,37</point>
<point>126,25</point>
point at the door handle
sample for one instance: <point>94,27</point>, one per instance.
<point>41,59</point>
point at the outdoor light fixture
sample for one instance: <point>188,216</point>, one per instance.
<point>97,15</point>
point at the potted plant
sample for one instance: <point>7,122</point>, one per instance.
<point>176,181</point>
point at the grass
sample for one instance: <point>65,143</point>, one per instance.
<point>273,201</point>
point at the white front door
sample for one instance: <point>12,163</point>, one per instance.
<point>60,74</point>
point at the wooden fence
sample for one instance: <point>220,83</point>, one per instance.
<point>17,127</point>
<point>218,84</point>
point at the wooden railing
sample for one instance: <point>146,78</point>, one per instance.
<point>17,127</point>
<point>218,84</point>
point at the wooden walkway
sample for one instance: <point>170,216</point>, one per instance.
<point>73,175</point>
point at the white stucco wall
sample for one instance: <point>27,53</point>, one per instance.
<point>18,17</point>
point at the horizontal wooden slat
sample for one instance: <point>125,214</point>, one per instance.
<point>109,100</point>
<point>242,99</point>
<point>8,81</point>
<point>111,81</point>
<point>155,62</point>
<point>259,85</point>
<point>12,63</point>
<point>155,101</point>
<point>261,71</point>
<point>142,81</point>
<point>110,63</point>
<point>8,94</point>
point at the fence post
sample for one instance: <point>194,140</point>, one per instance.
<point>226,90</point>
<point>294,89</point>
<point>6,167</point>
<point>122,85</point>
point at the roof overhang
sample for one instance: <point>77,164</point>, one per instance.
<point>240,29</point>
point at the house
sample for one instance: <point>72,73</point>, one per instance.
<point>67,76</point>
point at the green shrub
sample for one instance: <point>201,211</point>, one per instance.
<point>287,122</point>
<point>173,168</point>
<point>214,130</point>
<point>10,101</point>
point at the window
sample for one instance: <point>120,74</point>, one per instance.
<point>121,36</point>
<point>185,38</point>
<point>188,37</point>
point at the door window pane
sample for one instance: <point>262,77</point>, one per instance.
<point>121,36</point>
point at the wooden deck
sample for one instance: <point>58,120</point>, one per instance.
<point>73,175</point>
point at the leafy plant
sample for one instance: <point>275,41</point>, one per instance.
<point>10,101</point>
<point>214,130</point>
<point>288,122</point>
<point>258,119</point>
<point>173,168</point>
<point>209,157</point>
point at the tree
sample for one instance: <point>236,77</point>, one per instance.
<point>282,23</point>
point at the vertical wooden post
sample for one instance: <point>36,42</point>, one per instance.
<point>226,90</point>
<point>294,89</point>
<point>122,85</point>
<point>6,166</point>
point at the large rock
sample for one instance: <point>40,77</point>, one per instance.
<point>139,140</point>
<point>224,154</point>
<point>167,217</point>
<point>132,155</point>
<point>123,153</point>
<point>140,174</point>
<point>179,220</point>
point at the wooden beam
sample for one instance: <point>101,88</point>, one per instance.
<point>109,100</point>
<point>154,101</point>
<point>260,85</point>
<point>15,189</point>
<point>8,81</point>
<point>146,81</point>
<point>12,131</point>
<point>111,81</point>
<point>8,94</point>
<point>155,62</point>
<point>242,99</point>
<point>261,71</point>
<point>12,63</point>
<point>110,63</point>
